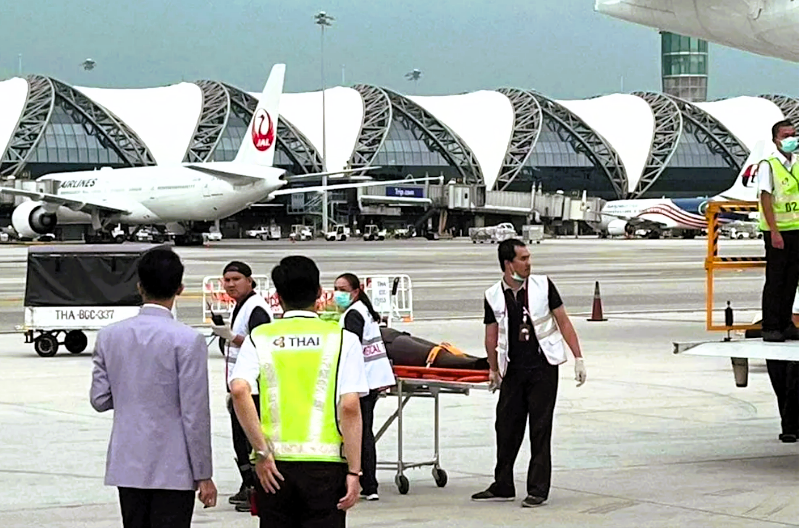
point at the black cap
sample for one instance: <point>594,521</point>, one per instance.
<point>239,267</point>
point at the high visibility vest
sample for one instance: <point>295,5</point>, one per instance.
<point>784,197</point>
<point>544,325</point>
<point>299,364</point>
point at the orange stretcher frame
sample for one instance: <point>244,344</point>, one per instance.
<point>715,262</point>
<point>442,374</point>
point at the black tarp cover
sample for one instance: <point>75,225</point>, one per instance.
<point>83,275</point>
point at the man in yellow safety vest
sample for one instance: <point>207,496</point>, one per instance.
<point>311,376</point>
<point>780,219</point>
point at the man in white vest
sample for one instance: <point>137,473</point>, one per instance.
<point>526,327</point>
<point>251,311</point>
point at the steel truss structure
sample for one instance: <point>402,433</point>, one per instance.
<point>527,126</point>
<point>436,136</point>
<point>713,134</point>
<point>584,139</point>
<point>667,131</point>
<point>788,105</point>
<point>290,140</point>
<point>212,122</point>
<point>43,94</point>
<point>374,127</point>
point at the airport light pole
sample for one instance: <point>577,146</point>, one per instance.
<point>323,20</point>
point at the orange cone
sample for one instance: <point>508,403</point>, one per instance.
<point>597,305</point>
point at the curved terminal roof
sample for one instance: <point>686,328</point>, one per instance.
<point>164,118</point>
<point>483,119</point>
<point>626,122</point>
<point>12,94</point>
<point>482,125</point>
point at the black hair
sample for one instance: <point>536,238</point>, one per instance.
<point>160,273</point>
<point>507,250</point>
<point>296,281</point>
<point>355,284</point>
<point>779,125</point>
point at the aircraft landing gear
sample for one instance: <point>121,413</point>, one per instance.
<point>189,239</point>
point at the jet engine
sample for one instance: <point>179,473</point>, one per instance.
<point>620,228</point>
<point>31,220</point>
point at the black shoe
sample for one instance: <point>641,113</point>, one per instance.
<point>531,501</point>
<point>243,497</point>
<point>787,438</point>
<point>489,496</point>
<point>790,334</point>
<point>773,336</point>
<point>243,507</point>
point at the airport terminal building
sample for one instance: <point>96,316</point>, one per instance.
<point>493,143</point>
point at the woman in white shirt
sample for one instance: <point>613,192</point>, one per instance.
<point>360,318</point>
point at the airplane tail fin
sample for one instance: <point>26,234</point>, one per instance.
<point>260,140</point>
<point>745,187</point>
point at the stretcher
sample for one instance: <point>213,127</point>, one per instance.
<point>425,382</point>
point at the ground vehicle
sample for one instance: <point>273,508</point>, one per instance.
<point>212,235</point>
<point>265,233</point>
<point>70,289</point>
<point>371,232</point>
<point>340,233</point>
<point>493,234</point>
<point>301,232</point>
<point>740,230</point>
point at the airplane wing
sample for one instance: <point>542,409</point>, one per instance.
<point>320,188</point>
<point>55,199</point>
<point>236,178</point>
<point>742,348</point>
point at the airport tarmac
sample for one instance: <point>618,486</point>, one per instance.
<point>449,276</point>
<point>652,439</point>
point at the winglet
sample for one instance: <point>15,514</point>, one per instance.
<point>259,142</point>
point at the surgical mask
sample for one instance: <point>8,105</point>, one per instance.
<point>517,278</point>
<point>341,298</point>
<point>789,144</point>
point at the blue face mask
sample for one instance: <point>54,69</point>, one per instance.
<point>341,298</point>
<point>517,277</point>
<point>789,144</point>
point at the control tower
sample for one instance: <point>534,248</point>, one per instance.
<point>684,67</point>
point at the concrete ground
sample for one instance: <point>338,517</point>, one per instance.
<point>652,439</point>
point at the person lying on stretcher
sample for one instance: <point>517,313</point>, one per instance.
<point>406,350</point>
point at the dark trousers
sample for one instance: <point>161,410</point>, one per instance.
<point>781,283</point>
<point>526,396</point>
<point>784,378</point>
<point>369,458</point>
<point>307,498</point>
<point>152,508</point>
<point>241,446</point>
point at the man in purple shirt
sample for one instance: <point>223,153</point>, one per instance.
<point>153,372</point>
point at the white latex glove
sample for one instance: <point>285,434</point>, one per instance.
<point>223,331</point>
<point>580,372</point>
<point>495,380</point>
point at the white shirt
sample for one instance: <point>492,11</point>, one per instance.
<point>351,378</point>
<point>765,171</point>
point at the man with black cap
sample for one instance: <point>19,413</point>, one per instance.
<point>251,311</point>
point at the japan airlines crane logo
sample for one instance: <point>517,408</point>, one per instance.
<point>263,133</point>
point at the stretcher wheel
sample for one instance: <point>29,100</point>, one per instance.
<point>402,484</point>
<point>75,341</point>
<point>46,345</point>
<point>440,477</point>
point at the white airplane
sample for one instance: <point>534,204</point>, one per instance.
<point>684,215</point>
<point>180,197</point>
<point>764,27</point>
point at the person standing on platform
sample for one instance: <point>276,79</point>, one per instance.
<point>526,327</point>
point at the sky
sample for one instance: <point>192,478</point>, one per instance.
<point>561,48</point>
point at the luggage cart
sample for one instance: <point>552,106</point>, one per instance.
<point>425,382</point>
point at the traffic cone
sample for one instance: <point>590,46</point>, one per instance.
<point>597,305</point>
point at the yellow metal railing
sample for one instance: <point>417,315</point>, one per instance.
<point>715,262</point>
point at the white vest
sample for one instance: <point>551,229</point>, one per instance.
<point>544,324</point>
<point>376,361</point>
<point>239,326</point>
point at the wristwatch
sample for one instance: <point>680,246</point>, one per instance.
<point>263,455</point>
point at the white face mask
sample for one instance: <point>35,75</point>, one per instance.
<point>516,277</point>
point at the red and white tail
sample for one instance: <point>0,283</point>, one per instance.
<point>746,185</point>
<point>260,140</point>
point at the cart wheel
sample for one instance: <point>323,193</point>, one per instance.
<point>440,477</point>
<point>75,341</point>
<point>402,484</point>
<point>46,345</point>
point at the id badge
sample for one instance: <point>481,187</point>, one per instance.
<point>524,333</point>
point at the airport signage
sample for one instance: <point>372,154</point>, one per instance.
<point>405,192</point>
